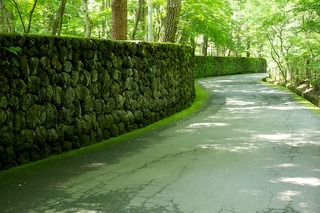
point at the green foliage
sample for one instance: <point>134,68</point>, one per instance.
<point>217,66</point>
<point>208,18</point>
<point>13,50</point>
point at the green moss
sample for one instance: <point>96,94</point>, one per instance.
<point>218,66</point>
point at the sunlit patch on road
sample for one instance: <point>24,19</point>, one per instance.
<point>285,108</point>
<point>288,195</point>
<point>238,102</point>
<point>286,165</point>
<point>276,137</point>
<point>240,148</point>
<point>199,125</point>
<point>93,165</point>
<point>295,139</point>
<point>302,181</point>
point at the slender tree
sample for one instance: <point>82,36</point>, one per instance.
<point>25,29</point>
<point>6,18</point>
<point>87,20</point>
<point>172,20</point>
<point>150,21</point>
<point>57,23</point>
<point>140,16</point>
<point>119,19</point>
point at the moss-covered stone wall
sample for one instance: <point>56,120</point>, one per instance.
<point>218,66</point>
<point>59,94</point>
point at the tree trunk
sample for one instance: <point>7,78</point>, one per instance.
<point>56,26</point>
<point>193,43</point>
<point>184,37</point>
<point>150,21</point>
<point>6,19</point>
<point>30,15</point>
<point>105,20</point>
<point>139,17</point>
<point>248,48</point>
<point>205,45</point>
<point>20,15</point>
<point>172,20</point>
<point>119,19</point>
<point>87,20</point>
<point>25,30</point>
<point>159,22</point>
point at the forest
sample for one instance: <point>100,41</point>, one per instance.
<point>285,32</point>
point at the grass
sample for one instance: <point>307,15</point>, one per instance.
<point>199,102</point>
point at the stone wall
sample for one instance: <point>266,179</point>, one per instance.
<point>207,66</point>
<point>59,94</point>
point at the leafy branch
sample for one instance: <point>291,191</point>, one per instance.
<point>13,50</point>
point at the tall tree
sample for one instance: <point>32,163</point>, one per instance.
<point>150,21</point>
<point>87,20</point>
<point>140,16</point>
<point>6,18</point>
<point>25,29</point>
<point>119,19</point>
<point>57,23</point>
<point>172,20</point>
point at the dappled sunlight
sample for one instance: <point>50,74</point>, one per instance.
<point>256,109</point>
<point>302,181</point>
<point>93,165</point>
<point>286,165</point>
<point>273,91</point>
<point>199,125</point>
<point>248,110</point>
<point>288,139</point>
<point>287,107</point>
<point>303,205</point>
<point>224,81</point>
<point>288,195</point>
<point>224,118</point>
<point>282,165</point>
<point>240,148</point>
<point>238,102</point>
<point>275,137</point>
<point>252,192</point>
<point>191,131</point>
<point>192,127</point>
<point>244,130</point>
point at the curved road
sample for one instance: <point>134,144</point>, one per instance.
<point>253,148</point>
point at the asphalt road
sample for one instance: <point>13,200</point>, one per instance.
<point>253,148</point>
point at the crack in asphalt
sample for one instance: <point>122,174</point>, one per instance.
<point>148,199</point>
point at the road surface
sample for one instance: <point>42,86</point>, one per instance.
<point>253,148</point>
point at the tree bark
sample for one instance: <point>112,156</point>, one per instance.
<point>248,48</point>
<point>138,18</point>
<point>87,20</point>
<point>205,45</point>
<point>150,21</point>
<point>172,20</point>
<point>6,18</point>
<point>20,15</point>
<point>119,19</point>
<point>56,26</point>
<point>31,14</point>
